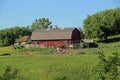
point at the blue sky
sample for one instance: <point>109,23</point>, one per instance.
<point>64,13</point>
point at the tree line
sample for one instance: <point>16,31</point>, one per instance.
<point>8,36</point>
<point>102,24</point>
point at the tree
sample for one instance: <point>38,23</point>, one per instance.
<point>8,36</point>
<point>56,26</point>
<point>102,24</point>
<point>41,23</point>
<point>81,32</point>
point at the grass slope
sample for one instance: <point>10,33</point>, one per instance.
<point>37,67</point>
<point>46,67</point>
<point>7,49</point>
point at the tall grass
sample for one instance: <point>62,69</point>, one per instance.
<point>34,50</point>
<point>37,67</point>
<point>7,49</point>
<point>54,67</point>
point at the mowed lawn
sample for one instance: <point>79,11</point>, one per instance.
<point>53,67</point>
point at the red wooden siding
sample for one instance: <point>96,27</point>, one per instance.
<point>76,36</point>
<point>54,38</point>
<point>48,44</point>
<point>54,43</point>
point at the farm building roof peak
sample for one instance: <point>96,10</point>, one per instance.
<point>55,33</point>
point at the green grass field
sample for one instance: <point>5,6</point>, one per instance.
<point>37,67</point>
<point>54,67</point>
<point>6,50</point>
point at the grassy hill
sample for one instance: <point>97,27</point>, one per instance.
<point>37,67</point>
<point>7,49</point>
<point>55,67</point>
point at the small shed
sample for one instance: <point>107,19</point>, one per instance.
<point>24,41</point>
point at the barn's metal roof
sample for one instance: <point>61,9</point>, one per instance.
<point>52,34</point>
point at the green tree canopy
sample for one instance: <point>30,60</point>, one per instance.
<point>81,32</point>
<point>102,24</point>
<point>9,35</point>
<point>41,23</point>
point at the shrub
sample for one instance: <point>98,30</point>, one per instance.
<point>83,45</point>
<point>10,74</point>
<point>107,69</point>
<point>88,45</point>
<point>93,45</point>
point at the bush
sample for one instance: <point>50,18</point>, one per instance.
<point>93,45</point>
<point>107,69</point>
<point>88,45</point>
<point>83,45</point>
<point>10,74</point>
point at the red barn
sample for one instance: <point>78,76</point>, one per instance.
<point>49,38</point>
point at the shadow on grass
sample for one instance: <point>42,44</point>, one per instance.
<point>110,40</point>
<point>5,54</point>
<point>61,78</point>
